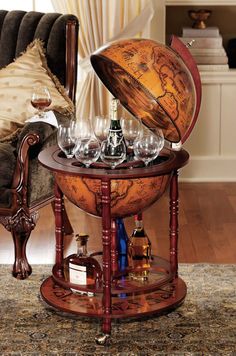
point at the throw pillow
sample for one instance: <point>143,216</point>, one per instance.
<point>16,83</point>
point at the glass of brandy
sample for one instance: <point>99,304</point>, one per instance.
<point>40,99</point>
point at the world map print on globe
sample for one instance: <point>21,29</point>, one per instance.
<point>128,196</point>
<point>151,81</point>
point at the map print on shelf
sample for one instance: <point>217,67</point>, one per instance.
<point>207,48</point>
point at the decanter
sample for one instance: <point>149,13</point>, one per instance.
<point>83,269</point>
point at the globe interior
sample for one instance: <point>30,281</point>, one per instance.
<point>151,81</point>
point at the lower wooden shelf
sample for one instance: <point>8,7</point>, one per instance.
<point>130,298</point>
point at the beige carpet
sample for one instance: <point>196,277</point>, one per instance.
<point>204,325</point>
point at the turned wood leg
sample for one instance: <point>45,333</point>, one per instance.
<point>114,249</point>
<point>174,195</point>
<point>20,225</point>
<point>68,229</point>
<point>106,241</point>
<point>59,229</point>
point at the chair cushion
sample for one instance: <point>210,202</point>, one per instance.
<point>16,82</point>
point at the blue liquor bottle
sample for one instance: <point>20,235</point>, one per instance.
<point>122,240</point>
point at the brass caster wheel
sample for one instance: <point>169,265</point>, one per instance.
<point>104,339</point>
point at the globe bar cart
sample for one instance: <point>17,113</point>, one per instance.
<point>161,86</point>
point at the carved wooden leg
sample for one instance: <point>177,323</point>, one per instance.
<point>106,241</point>
<point>59,229</point>
<point>114,249</point>
<point>68,229</point>
<point>174,195</point>
<point>20,225</point>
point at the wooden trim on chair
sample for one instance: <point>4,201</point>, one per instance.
<point>71,58</point>
<point>20,178</point>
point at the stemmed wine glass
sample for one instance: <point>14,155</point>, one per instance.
<point>40,99</point>
<point>66,141</point>
<point>88,151</point>
<point>101,125</point>
<point>132,129</point>
<point>81,129</point>
<point>159,133</point>
<point>113,155</point>
<point>147,147</point>
<point>88,147</point>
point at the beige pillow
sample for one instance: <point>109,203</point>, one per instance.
<point>16,83</point>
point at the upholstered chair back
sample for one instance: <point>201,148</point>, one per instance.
<point>20,28</point>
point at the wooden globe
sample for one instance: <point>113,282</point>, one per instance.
<point>161,86</point>
<point>128,196</point>
<point>132,189</point>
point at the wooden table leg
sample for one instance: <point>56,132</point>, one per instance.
<point>174,195</point>
<point>59,230</point>
<point>106,241</point>
<point>114,247</point>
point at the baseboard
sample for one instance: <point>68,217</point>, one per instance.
<point>209,169</point>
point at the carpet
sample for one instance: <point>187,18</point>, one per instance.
<point>205,324</point>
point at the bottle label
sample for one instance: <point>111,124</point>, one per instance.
<point>78,274</point>
<point>115,137</point>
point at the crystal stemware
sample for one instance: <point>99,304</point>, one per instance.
<point>159,133</point>
<point>40,99</point>
<point>88,151</point>
<point>101,125</point>
<point>81,129</point>
<point>132,129</point>
<point>147,147</point>
<point>113,155</point>
<point>66,141</point>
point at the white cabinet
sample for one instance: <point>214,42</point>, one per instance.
<point>212,144</point>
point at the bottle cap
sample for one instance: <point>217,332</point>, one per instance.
<point>138,217</point>
<point>83,238</point>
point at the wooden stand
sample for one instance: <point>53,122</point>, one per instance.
<point>118,296</point>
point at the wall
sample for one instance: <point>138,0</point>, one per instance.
<point>212,145</point>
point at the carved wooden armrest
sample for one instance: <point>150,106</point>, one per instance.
<point>20,178</point>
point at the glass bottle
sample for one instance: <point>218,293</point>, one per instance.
<point>139,251</point>
<point>83,269</point>
<point>122,239</point>
<point>113,150</point>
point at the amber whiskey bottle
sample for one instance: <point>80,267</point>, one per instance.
<point>83,269</point>
<point>139,251</point>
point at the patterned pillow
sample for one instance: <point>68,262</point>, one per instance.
<point>16,83</point>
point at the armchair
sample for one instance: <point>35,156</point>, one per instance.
<point>25,186</point>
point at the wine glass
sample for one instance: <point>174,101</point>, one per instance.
<point>81,129</point>
<point>88,151</point>
<point>113,155</point>
<point>66,141</point>
<point>132,129</point>
<point>147,147</point>
<point>101,125</point>
<point>159,133</point>
<point>40,99</point>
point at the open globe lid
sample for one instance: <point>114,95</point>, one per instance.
<point>156,83</point>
